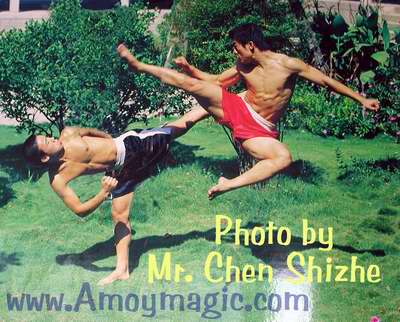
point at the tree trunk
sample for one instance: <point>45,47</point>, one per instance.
<point>316,58</point>
<point>297,9</point>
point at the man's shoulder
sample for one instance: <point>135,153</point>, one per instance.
<point>64,173</point>
<point>68,131</point>
<point>56,179</point>
<point>292,63</point>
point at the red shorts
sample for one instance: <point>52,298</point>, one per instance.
<point>244,122</point>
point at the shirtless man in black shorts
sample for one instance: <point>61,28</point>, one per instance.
<point>127,160</point>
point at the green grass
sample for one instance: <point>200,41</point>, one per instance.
<point>44,248</point>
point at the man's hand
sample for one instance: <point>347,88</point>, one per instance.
<point>181,62</point>
<point>108,184</point>
<point>371,104</point>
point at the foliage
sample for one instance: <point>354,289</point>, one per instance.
<point>364,55</point>
<point>386,87</point>
<point>353,51</point>
<point>67,68</point>
<point>199,29</point>
<point>327,115</point>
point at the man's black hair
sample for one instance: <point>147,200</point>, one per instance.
<point>245,33</point>
<point>31,150</point>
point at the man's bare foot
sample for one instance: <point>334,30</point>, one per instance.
<point>126,55</point>
<point>219,188</point>
<point>115,275</point>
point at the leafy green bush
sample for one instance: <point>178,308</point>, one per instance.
<point>363,54</point>
<point>327,115</point>
<point>353,51</point>
<point>67,68</point>
<point>386,88</point>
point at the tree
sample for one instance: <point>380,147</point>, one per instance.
<point>67,68</point>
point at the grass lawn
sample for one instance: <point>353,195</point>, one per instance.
<point>351,185</point>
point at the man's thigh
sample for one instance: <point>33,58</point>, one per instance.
<point>209,96</point>
<point>263,148</point>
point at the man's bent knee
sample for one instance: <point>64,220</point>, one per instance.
<point>121,231</point>
<point>285,159</point>
<point>120,216</point>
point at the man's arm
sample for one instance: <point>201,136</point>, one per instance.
<point>82,131</point>
<point>314,75</point>
<point>72,201</point>
<point>94,132</point>
<point>227,78</point>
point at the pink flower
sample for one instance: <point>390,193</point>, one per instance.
<point>392,118</point>
<point>375,319</point>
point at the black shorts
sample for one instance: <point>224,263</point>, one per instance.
<point>144,151</point>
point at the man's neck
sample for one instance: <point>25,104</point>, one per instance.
<point>262,57</point>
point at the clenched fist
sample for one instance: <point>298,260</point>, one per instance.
<point>108,184</point>
<point>182,63</point>
<point>371,104</point>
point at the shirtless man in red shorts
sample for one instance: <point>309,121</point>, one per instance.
<point>270,79</point>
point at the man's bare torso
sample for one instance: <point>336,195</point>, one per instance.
<point>85,155</point>
<point>270,85</point>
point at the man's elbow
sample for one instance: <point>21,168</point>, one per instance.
<point>329,82</point>
<point>81,212</point>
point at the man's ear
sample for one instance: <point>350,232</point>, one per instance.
<point>45,158</point>
<point>251,46</point>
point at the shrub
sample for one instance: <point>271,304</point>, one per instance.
<point>364,55</point>
<point>67,68</point>
<point>386,87</point>
<point>353,51</point>
<point>327,115</point>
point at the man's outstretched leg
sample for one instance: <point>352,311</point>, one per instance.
<point>208,95</point>
<point>122,238</point>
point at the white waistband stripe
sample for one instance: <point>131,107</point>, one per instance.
<point>267,125</point>
<point>119,142</point>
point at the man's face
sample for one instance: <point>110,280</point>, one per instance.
<point>243,53</point>
<point>48,145</point>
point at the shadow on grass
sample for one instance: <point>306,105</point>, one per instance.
<point>390,164</point>
<point>14,165</point>
<point>185,154</point>
<point>138,247</point>
<point>278,253</point>
<point>274,255</point>
<point>6,192</point>
<point>363,167</point>
<point>305,171</point>
<point>8,259</point>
